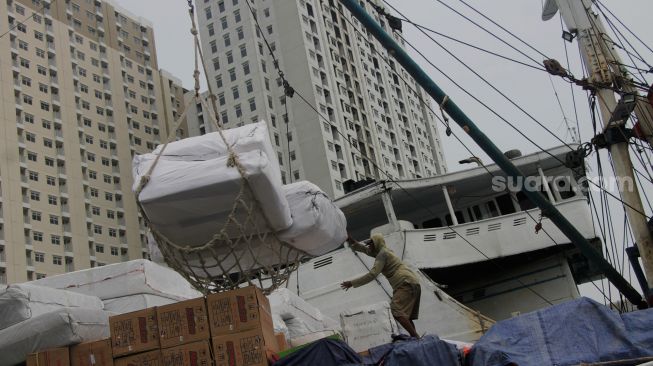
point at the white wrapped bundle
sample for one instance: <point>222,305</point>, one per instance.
<point>123,279</point>
<point>299,317</point>
<point>318,226</point>
<point>189,201</point>
<point>60,328</point>
<point>24,301</point>
<point>127,304</point>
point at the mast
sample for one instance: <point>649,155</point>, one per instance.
<point>491,149</point>
<point>603,64</point>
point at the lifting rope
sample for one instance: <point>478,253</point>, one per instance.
<point>233,257</point>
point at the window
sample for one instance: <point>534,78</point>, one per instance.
<point>23,45</point>
<point>35,196</point>
<point>216,63</point>
<point>239,112</point>
<point>41,70</point>
<point>239,32</point>
<point>27,99</point>
<point>114,251</point>
<point>232,74</point>
<point>113,232</point>
<point>235,92</point>
<point>111,214</point>
<point>55,239</point>
<point>31,156</point>
<point>292,155</point>
<point>95,210</point>
<point>211,30</point>
<point>94,192</point>
<point>214,46</point>
<point>33,176</point>
<point>47,142</point>
<point>221,6</point>
<point>49,162</point>
<point>97,229</point>
<point>45,106</point>
<point>246,68</point>
<point>36,216</point>
<point>54,220</point>
<point>99,248</point>
<point>221,99</point>
<point>51,181</point>
<point>218,81</point>
<point>108,196</point>
<point>252,104</point>
<point>223,21</point>
<point>52,200</point>
<point>243,50</point>
<point>29,118</point>
<point>39,257</point>
<point>46,124</point>
<point>248,85</point>
<point>227,40</point>
<point>56,260</point>
<point>207,12</point>
<point>237,15</point>
<point>230,57</point>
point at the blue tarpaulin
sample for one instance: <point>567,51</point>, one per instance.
<point>427,351</point>
<point>566,334</point>
<point>325,352</point>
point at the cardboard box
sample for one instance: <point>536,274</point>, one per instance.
<point>50,357</point>
<point>248,348</point>
<point>92,354</point>
<point>281,341</point>
<point>150,358</point>
<point>191,354</point>
<point>238,310</point>
<point>134,332</point>
<point>183,322</point>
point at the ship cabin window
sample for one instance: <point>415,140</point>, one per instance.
<point>492,209</point>
<point>505,203</point>
<point>432,223</point>
<point>524,202</point>
<point>460,217</point>
<point>447,219</point>
<point>565,188</point>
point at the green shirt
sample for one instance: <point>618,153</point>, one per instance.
<point>385,262</point>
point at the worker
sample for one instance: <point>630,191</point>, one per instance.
<point>404,282</point>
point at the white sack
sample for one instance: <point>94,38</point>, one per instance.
<point>61,328</point>
<point>368,326</point>
<point>300,317</point>
<point>127,304</point>
<point>280,326</point>
<point>190,201</point>
<point>318,225</point>
<point>123,279</point>
<point>24,301</point>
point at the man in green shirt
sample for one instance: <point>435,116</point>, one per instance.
<point>405,284</point>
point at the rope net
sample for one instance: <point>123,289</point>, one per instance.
<point>244,249</point>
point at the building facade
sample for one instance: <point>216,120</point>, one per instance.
<point>371,119</point>
<point>80,95</point>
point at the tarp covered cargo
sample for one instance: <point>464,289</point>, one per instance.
<point>368,326</point>
<point>135,277</point>
<point>572,333</point>
<point>127,304</point>
<point>318,226</point>
<point>325,352</point>
<point>20,302</point>
<point>59,328</point>
<point>192,189</point>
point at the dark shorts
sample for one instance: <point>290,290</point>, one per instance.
<point>405,300</point>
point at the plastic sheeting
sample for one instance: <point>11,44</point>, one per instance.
<point>127,304</point>
<point>60,328</point>
<point>299,317</point>
<point>189,201</point>
<point>123,279</point>
<point>579,331</point>
<point>24,301</point>
<point>318,225</point>
<point>368,326</point>
<point>325,352</point>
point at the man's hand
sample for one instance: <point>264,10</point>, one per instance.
<point>346,285</point>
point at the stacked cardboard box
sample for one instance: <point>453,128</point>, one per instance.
<point>227,329</point>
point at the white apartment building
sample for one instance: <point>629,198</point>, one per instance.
<point>80,94</point>
<point>369,108</point>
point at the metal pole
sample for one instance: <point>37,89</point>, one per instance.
<point>447,199</point>
<point>493,152</point>
<point>600,59</point>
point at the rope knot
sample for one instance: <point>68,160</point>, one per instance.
<point>233,160</point>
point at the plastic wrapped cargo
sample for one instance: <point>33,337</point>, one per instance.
<point>189,201</point>
<point>123,279</point>
<point>318,225</point>
<point>127,304</point>
<point>368,326</point>
<point>299,317</point>
<point>60,328</point>
<point>24,301</point>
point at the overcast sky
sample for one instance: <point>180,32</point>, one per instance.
<point>532,90</point>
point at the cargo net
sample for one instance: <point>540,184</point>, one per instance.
<point>245,249</point>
